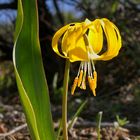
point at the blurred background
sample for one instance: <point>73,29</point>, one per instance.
<point>118,92</point>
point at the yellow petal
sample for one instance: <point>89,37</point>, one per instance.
<point>95,36</point>
<point>118,36</point>
<point>70,37</point>
<point>74,46</point>
<point>78,52</point>
<point>56,38</point>
<point>113,39</point>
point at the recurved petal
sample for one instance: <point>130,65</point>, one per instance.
<point>56,38</point>
<point>79,52</point>
<point>95,36</point>
<point>70,37</point>
<point>118,35</point>
<point>113,39</point>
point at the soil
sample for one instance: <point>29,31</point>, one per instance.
<point>12,116</point>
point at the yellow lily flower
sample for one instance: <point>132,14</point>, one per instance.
<point>83,42</point>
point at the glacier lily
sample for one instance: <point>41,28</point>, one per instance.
<point>84,42</point>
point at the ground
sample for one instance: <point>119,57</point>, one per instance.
<point>12,119</point>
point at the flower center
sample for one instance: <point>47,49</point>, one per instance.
<point>86,72</point>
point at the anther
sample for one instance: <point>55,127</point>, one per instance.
<point>74,85</point>
<point>95,78</point>
<point>92,84</point>
<point>80,78</point>
<point>89,80</point>
<point>94,92</point>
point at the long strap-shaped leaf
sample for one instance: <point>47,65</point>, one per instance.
<point>30,73</point>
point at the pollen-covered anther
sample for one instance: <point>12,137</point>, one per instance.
<point>93,86</point>
<point>74,85</point>
<point>95,78</point>
<point>80,78</point>
<point>94,92</point>
<point>93,82</point>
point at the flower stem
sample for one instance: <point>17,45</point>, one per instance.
<point>64,100</point>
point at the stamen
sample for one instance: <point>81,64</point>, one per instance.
<point>95,78</point>
<point>83,84</point>
<point>94,92</point>
<point>80,78</point>
<point>93,82</point>
<point>80,68</point>
<point>74,85</point>
<point>93,65</point>
<point>89,69</point>
<point>89,81</point>
<point>92,85</point>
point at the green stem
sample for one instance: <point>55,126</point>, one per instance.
<point>64,100</point>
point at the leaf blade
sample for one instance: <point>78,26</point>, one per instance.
<point>30,74</point>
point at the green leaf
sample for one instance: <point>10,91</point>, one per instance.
<point>30,74</point>
<point>59,130</point>
<point>79,110</point>
<point>99,119</point>
<point>121,121</point>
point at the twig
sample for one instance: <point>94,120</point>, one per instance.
<point>59,14</point>
<point>13,131</point>
<point>84,124</point>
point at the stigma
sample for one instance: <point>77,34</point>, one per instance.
<point>86,72</point>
